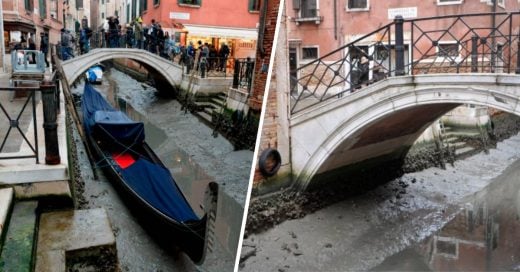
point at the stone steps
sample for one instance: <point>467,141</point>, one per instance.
<point>76,239</point>
<point>18,248</point>
<point>461,152</point>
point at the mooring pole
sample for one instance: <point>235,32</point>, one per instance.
<point>52,153</point>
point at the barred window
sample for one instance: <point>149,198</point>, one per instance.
<point>357,4</point>
<point>309,53</point>
<point>448,50</point>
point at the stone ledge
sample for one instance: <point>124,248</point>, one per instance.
<point>88,231</point>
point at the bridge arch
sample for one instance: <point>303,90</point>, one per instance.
<point>358,127</point>
<point>170,71</point>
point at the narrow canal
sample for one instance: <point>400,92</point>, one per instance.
<point>186,146</point>
<point>466,217</point>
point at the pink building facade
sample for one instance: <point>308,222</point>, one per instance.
<point>29,18</point>
<point>214,22</point>
<point>317,27</point>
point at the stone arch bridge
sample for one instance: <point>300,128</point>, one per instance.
<point>167,70</point>
<point>165,73</point>
<point>382,121</point>
<point>368,101</point>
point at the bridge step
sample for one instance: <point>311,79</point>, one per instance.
<point>457,145</point>
<point>18,249</point>
<point>72,239</point>
<point>464,133</point>
<point>205,116</point>
<point>465,151</point>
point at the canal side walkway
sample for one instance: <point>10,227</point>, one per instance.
<point>39,228</point>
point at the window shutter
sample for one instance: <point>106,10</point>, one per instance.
<point>296,4</point>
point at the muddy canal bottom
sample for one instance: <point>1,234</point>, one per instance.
<point>463,218</point>
<point>194,157</point>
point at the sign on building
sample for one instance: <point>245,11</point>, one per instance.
<point>410,12</point>
<point>179,15</point>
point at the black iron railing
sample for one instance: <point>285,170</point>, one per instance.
<point>471,43</point>
<point>13,110</point>
<point>243,74</point>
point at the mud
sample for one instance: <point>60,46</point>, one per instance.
<point>267,211</point>
<point>360,232</point>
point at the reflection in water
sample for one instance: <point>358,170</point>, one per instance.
<point>481,237</point>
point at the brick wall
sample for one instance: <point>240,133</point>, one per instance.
<point>269,135</point>
<point>272,135</point>
<point>257,97</point>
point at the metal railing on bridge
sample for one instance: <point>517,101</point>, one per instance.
<point>471,43</point>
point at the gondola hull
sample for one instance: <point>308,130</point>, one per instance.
<point>187,235</point>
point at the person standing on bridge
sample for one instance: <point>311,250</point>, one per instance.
<point>44,46</point>
<point>84,39</point>
<point>190,57</point>
<point>138,32</point>
<point>129,36</point>
<point>113,35</point>
<point>66,49</point>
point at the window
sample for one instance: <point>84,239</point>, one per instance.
<point>43,8</point>
<point>54,9</point>
<point>254,5</point>
<point>156,2</point>
<point>357,4</point>
<point>134,9</point>
<point>447,50</point>
<point>144,5</point>
<point>449,2</point>
<point>79,4</point>
<point>29,5</point>
<point>190,2</point>
<point>309,8</point>
<point>102,2</point>
<point>102,15</point>
<point>309,53</point>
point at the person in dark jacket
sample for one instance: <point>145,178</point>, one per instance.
<point>44,46</point>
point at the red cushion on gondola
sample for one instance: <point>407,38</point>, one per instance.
<point>123,160</point>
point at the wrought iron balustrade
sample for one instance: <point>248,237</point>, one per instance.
<point>15,119</point>
<point>469,43</point>
<point>243,73</point>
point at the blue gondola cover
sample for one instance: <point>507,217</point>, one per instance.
<point>152,182</point>
<point>155,184</point>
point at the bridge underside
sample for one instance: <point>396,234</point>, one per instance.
<point>385,141</point>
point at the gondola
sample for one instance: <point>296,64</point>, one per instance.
<point>94,74</point>
<point>142,180</point>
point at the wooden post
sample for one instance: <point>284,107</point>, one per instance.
<point>52,153</point>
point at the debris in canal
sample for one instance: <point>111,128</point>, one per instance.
<point>268,211</point>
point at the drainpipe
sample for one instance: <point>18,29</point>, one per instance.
<point>493,39</point>
<point>335,21</point>
<point>2,43</point>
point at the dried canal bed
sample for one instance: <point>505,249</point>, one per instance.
<point>194,157</point>
<point>407,215</point>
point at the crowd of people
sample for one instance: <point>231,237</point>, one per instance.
<point>204,57</point>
